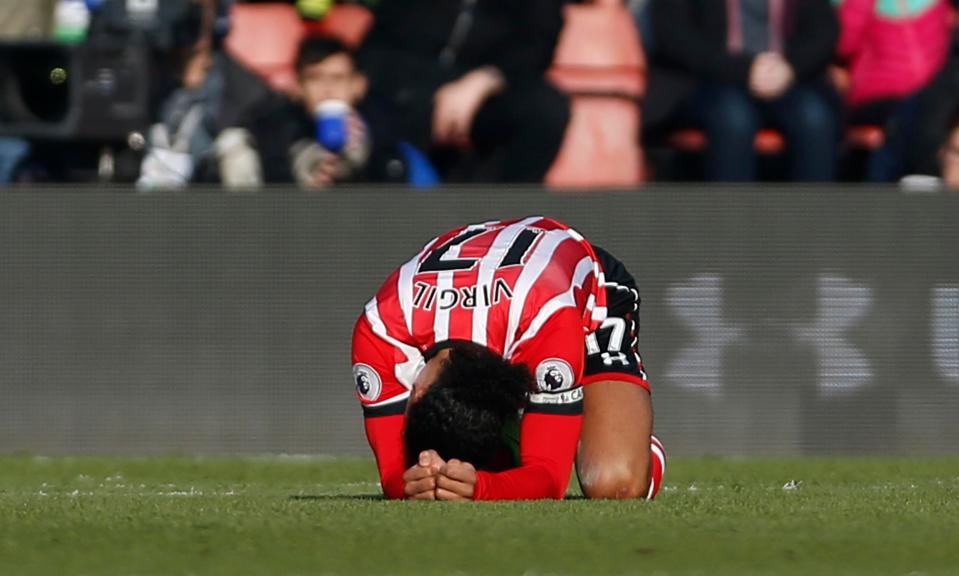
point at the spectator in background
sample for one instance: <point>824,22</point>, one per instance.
<point>469,76</point>
<point>199,136</point>
<point>894,49</point>
<point>287,135</point>
<point>752,64</point>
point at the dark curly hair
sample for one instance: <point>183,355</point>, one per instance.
<point>462,414</point>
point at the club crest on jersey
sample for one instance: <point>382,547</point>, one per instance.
<point>368,383</point>
<point>554,375</point>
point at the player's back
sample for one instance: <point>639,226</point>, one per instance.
<point>494,283</point>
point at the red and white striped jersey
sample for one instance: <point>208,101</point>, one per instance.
<point>529,289</point>
<point>507,285</point>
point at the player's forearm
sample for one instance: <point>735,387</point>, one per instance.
<point>385,435</point>
<point>393,487</point>
<point>548,447</point>
<point>533,482</point>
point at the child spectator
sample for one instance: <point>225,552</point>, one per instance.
<point>286,135</point>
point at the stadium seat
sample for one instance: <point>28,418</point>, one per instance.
<point>693,140</point>
<point>865,137</point>
<point>349,23</point>
<point>770,142</point>
<point>599,62</point>
<point>600,148</point>
<point>265,38</point>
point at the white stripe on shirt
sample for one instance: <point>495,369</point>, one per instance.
<point>537,263</point>
<point>565,300</point>
<point>405,372</point>
<point>487,271</point>
<point>404,285</point>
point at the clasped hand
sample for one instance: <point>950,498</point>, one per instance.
<point>770,76</point>
<point>431,478</point>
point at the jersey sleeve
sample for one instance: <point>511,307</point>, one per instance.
<point>612,351</point>
<point>552,420</point>
<point>383,399</point>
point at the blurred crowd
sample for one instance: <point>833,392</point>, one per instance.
<point>172,93</point>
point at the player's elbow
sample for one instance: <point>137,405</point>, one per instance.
<point>615,484</point>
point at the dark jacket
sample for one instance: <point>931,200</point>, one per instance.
<point>413,38</point>
<point>692,35</point>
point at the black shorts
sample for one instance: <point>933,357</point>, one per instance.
<point>612,352</point>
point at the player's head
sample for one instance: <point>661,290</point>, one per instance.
<point>461,405</point>
<point>327,71</point>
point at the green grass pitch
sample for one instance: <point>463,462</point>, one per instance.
<point>285,516</point>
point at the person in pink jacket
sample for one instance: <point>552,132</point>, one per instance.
<point>893,49</point>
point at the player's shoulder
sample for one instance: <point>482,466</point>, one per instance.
<point>532,221</point>
<point>547,223</point>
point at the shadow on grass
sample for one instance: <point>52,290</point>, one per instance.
<point>334,497</point>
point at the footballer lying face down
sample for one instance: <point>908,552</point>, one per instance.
<point>499,356</point>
